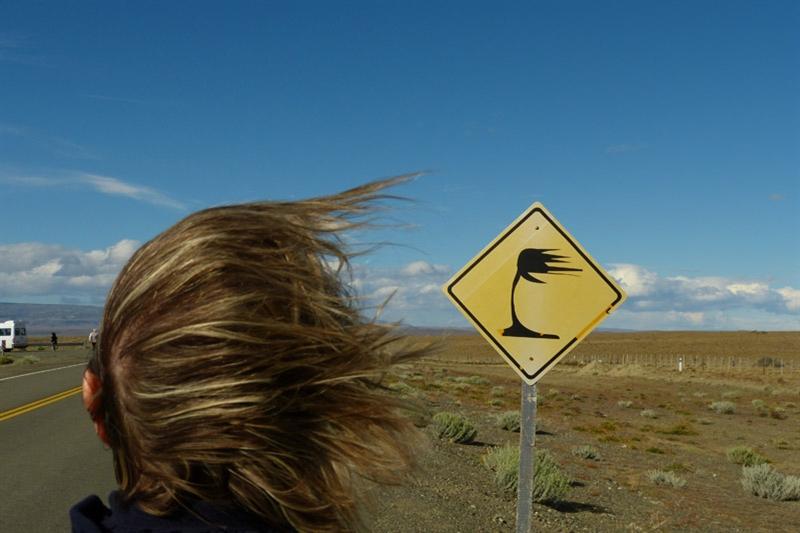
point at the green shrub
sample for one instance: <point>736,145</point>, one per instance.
<point>744,455</point>
<point>5,360</point>
<point>758,404</point>
<point>454,427</point>
<point>670,479</point>
<point>763,481</point>
<point>724,407</point>
<point>496,402</point>
<point>550,483</point>
<point>509,421</point>
<point>648,413</point>
<point>586,452</point>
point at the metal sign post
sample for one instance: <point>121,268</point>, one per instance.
<point>533,293</point>
<point>527,437</point>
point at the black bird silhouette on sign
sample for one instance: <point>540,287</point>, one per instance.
<point>534,261</point>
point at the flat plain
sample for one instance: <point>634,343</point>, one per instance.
<point>621,395</point>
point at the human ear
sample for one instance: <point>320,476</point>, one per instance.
<point>91,390</point>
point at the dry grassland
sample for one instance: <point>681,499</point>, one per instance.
<point>649,426</point>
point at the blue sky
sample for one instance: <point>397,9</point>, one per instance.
<point>664,136</point>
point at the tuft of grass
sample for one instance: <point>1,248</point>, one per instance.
<point>778,413</point>
<point>473,380</point>
<point>586,452</point>
<point>648,413</point>
<point>454,427</point>
<point>29,360</point>
<point>669,479</point>
<point>731,395</point>
<point>765,482</point>
<point>498,391</point>
<point>678,429</point>
<point>655,450</point>
<point>550,482</point>
<point>758,404</point>
<point>745,456</point>
<point>5,360</point>
<point>509,421</point>
<point>402,387</point>
<point>679,468</point>
<point>723,407</point>
<point>625,403</point>
<point>504,462</point>
<point>496,402</point>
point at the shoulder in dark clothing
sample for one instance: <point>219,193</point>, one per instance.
<point>90,515</point>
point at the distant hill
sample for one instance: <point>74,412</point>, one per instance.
<point>41,319</point>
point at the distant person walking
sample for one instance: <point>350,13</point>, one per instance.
<point>93,340</point>
<point>54,341</point>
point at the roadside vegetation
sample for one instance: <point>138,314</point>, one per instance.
<point>454,427</point>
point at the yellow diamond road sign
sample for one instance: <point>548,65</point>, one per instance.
<point>534,293</point>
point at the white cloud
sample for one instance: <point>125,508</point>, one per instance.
<point>791,298</point>
<point>31,270</point>
<point>649,291</point>
<point>414,289</point>
<point>636,280</point>
<point>654,301</point>
<point>416,268</point>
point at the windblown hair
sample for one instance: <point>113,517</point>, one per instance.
<point>236,367</point>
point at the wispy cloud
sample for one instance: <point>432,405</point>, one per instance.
<point>102,184</point>
<point>56,145</point>
<point>107,98</point>
<point>775,197</point>
<point>624,148</point>
<point>117,187</point>
<point>15,48</point>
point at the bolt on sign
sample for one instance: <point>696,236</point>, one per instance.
<point>534,293</point>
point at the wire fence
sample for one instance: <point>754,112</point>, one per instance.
<point>678,362</point>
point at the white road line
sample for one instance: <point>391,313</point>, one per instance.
<point>43,371</point>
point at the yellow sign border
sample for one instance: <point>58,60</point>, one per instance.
<point>536,207</point>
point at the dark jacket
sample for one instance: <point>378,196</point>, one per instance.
<point>90,515</point>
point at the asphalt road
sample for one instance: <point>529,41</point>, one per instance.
<point>50,457</point>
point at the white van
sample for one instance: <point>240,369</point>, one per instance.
<point>13,335</point>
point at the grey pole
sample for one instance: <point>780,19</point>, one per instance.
<point>527,436</point>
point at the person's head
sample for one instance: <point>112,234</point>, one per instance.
<point>234,367</point>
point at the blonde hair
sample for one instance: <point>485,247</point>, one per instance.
<point>236,367</point>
